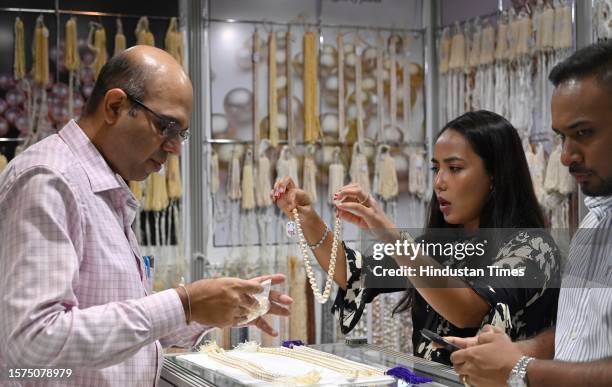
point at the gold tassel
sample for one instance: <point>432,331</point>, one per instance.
<point>71,52</point>
<point>3,162</point>
<point>41,53</point>
<point>120,41</point>
<point>97,43</point>
<point>175,186</point>
<point>157,193</point>
<point>143,35</point>
<point>311,122</point>
<point>19,64</point>
<point>174,41</point>
<point>136,188</point>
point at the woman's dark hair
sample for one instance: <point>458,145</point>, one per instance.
<point>512,202</point>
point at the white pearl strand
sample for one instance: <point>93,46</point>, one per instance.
<point>321,298</point>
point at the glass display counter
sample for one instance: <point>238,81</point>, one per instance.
<point>180,372</point>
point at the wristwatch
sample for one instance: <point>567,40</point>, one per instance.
<point>518,375</point>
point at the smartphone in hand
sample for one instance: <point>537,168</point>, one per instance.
<point>436,338</point>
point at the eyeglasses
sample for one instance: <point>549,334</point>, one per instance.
<point>169,128</point>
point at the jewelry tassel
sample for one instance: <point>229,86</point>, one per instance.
<point>3,162</point>
<point>287,165</point>
<point>272,91</point>
<point>310,173</point>
<point>264,180</point>
<point>336,176</point>
<point>120,41</point>
<point>387,187</point>
<point>71,60</point>
<point>175,187</point>
<point>96,41</point>
<point>143,34</point>
<point>234,192</point>
<point>248,188</point>
<point>173,41</point>
<point>359,171</point>
<point>311,122</point>
<point>19,64</point>
<point>41,53</point>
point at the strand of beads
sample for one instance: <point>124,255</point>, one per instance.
<point>321,298</point>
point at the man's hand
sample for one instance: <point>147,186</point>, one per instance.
<point>278,301</point>
<point>489,362</point>
<point>221,302</point>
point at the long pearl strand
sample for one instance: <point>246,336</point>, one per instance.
<point>321,298</point>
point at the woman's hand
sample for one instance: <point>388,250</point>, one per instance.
<point>287,197</point>
<point>356,206</point>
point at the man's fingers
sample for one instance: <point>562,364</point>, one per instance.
<point>463,342</point>
<point>459,357</point>
<point>248,286</point>
<point>247,301</point>
<point>488,337</point>
<point>275,278</point>
<point>262,324</point>
<point>278,310</point>
<point>276,296</point>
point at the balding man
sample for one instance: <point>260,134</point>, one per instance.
<point>74,289</point>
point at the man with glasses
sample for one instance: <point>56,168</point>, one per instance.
<point>75,290</point>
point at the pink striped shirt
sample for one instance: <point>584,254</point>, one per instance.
<point>73,285</point>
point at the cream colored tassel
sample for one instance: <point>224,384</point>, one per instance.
<point>342,130</point>
<point>41,53</point>
<point>310,173</point>
<point>143,34</point>
<point>214,173</point>
<point>248,184</point>
<point>234,191</point>
<point>120,41</point>
<point>359,171</point>
<point>287,165</point>
<point>336,176</point>
<point>264,180</point>
<point>445,50</point>
<point>3,162</point>
<point>71,51</point>
<point>387,186</point>
<point>174,41</point>
<point>272,92</point>
<point>175,186</point>
<point>157,193</point>
<point>136,188</point>
<point>19,64</point>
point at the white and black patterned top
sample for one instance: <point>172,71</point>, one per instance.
<point>523,306</point>
<point>584,320</point>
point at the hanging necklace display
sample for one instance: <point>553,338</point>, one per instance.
<point>359,171</point>
<point>456,79</point>
<point>305,250</point>
<point>502,67</point>
<point>445,51</point>
<point>521,92</point>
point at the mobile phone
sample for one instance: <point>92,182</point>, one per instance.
<point>436,338</point>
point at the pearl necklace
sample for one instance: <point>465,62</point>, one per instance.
<point>321,298</point>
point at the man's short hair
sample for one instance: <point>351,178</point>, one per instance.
<point>119,72</point>
<point>593,60</point>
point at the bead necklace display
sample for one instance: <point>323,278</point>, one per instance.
<point>321,297</point>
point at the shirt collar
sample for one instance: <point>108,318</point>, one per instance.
<point>600,205</point>
<point>101,176</point>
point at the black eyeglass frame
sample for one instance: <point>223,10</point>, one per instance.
<point>169,128</point>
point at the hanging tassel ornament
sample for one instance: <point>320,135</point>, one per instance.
<point>19,63</point>
<point>120,41</point>
<point>136,188</point>
<point>96,41</point>
<point>272,92</point>
<point>310,173</point>
<point>41,53</point>
<point>248,184</point>
<point>175,186</point>
<point>143,34</point>
<point>359,171</point>
<point>71,59</point>
<point>3,162</point>
<point>311,122</point>
<point>173,41</point>
<point>387,185</point>
<point>264,180</point>
<point>336,175</point>
<point>287,165</point>
<point>234,191</point>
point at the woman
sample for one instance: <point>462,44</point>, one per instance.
<point>481,182</point>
